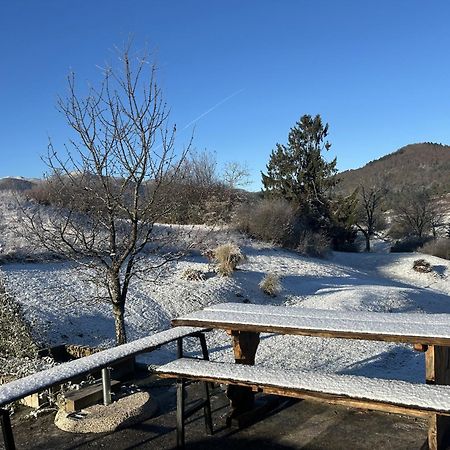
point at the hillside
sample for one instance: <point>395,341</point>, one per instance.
<point>62,304</point>
<point>422,165</point>
<point>16,184</point>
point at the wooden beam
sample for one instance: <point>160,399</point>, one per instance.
<point>266,328</point>
<point>437,366</point>
<point>322,397</point>
<point>242,399</point>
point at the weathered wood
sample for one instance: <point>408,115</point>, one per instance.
<point>267,328</point>
<point>245,345</point>
<point>242,399</point>
<point>420,347</point>
<point>437,367</point>
<point>87,396</point>
<point>322,397</point>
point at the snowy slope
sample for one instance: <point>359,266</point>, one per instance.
<point>64,306</point>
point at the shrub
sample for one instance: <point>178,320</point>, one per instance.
<point>270,284</point>
<point>314,244</point>
<point>271,220</point>
<point>410,244</point>
<point>348,247</point>
<point>192,274</point>
<point>437,247</point>
<point>420,265</point>
<point>227,257</point>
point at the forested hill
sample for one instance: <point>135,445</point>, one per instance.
<point>415,165</point>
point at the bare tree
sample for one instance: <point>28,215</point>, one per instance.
<point>415,212</point>
<point>235,175</point>
<point>368,214</point>
<point>108,186</point>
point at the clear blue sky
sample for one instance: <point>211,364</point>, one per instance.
<point>377,71</point>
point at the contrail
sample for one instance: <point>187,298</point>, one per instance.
<point>213,108</point>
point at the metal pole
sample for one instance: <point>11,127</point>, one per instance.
<point>106,383</point>
<point>8,437</point>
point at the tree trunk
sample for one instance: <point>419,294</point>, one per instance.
<point>118,304</point>
<point>119,323</point>
<point>367,243</point>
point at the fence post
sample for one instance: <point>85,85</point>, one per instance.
<point>106,383</point>
<point>8,437</point>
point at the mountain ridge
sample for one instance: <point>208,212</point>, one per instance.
<point>419,165</point>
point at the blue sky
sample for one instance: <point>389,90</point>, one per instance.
<point>377,71</point>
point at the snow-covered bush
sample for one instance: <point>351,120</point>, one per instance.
<point>15,333</point>
<point>192,274</point>
<point>227,257</point>
<point>270,284</point>
<point>437,247</point>
<point>314,244</point>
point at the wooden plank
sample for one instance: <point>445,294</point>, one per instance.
<point>316,396</point>
<point>437,366</point>
<point>433,329</point>
<point>398,318</point>
<point>87,396</point>
<point>299,331</point>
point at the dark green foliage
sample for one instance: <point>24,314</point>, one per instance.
<point>410,244</point>
<point>298,173</point>
<point>342,230</point>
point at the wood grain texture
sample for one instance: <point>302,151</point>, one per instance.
<point>312,332</point>
<point>437,367</point>
<point>242,398</point>
<point>319,396</point>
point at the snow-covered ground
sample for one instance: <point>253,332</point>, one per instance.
<point>62,305</point>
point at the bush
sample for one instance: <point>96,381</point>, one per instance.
<point>192,274</point>
<point>268,220</point>
<point>420,265</point>
<point>314,244</point>
<point>410,244</point>
<point>270,284</point>
<point>437,247</point>
<point>348,247</point>
<point>227,257</point>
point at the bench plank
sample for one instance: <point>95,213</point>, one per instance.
<point>427,329</point>
<point>350,390</point>
<point>37,382</point>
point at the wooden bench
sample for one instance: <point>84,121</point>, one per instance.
<point>428,333</point>
<point>391,396</point>
<point>17,389</point>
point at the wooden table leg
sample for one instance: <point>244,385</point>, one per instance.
<point>242,398</point>
<point>437,363</point>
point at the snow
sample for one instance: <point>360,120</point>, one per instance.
<point>22,387</point>
<point>401,393</point>
<point>64,306</point>
<point>314,321</point>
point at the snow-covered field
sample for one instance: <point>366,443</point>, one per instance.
<point>64,306</point>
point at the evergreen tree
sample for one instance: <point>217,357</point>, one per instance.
<point>298,172</point>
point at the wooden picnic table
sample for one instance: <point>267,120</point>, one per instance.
<point>429,333</point>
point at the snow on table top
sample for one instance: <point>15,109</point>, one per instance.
<point>401,393</point>
<point>31,384</point>
<point>401,327</point>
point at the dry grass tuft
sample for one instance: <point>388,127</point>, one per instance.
<point>227,258</point>
<point>270,284</point>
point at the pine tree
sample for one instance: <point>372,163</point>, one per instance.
<point>298,172</point>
